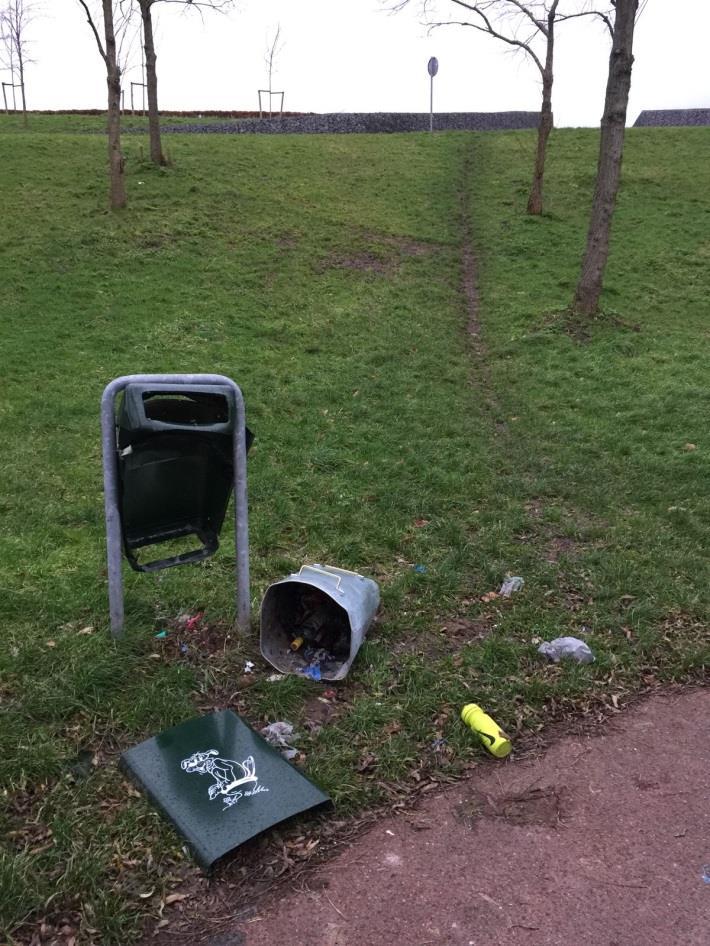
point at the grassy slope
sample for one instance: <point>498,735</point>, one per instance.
<point>369,417</point>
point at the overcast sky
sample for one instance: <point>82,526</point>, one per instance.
<point>353,56</point>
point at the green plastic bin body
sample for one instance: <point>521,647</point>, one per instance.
<point>175,468</point>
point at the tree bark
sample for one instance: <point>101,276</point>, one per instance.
<point>117,190</point>
<point>545,126</point>
<point>611,149</point>
<point>21,72</point>
<point>543,133</point>
<point>151,81</point>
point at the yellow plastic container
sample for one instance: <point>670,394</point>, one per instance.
<point>489,732</point>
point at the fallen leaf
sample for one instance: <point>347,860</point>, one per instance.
<point>86,630</point>
<point>175,898</point>
<point>489,596</point>
<point>367,762</point>
<point>690,446</point>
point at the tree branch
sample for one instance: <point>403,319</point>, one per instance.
<point>91,23</point>
<point>602,16</point>
<point>524,9</point>
<point>488,28</point>
<point>217,5</point>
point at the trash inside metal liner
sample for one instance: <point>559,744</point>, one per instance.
<point>357,596</point>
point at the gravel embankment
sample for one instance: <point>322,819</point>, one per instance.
<point>673,117</point>
<point>353,123</point>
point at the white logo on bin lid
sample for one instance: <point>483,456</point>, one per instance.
<point>232,780</point>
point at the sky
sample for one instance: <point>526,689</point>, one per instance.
<point>355,56</point>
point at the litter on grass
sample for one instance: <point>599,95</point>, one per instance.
<point>570,648</point>
<point>487,730</point>
<point>192,622</point>
<point>511,584</point>
<point>281,735</point>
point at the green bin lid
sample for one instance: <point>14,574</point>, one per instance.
<point>219,782</point>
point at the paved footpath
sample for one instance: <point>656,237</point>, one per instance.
<point>601,841</point>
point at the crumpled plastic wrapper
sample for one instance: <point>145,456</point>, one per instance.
<point>281,735</point>
<point>511,584</point>
<point>566,648</point>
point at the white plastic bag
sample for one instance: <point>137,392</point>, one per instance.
<point>566,647</point>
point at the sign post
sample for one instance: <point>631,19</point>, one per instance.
<point>433,68</point>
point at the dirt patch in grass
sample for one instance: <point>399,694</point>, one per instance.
<point>535,508</point>
<point>380,253</point>
<point>318,711</point>
<point>153,241</point>
<point>469,273</point>
<point>366,261</point>
<point>558,546</point>
<point>581,328</point>
<point>286,241</point>
<point>466,631</point>
<point>195,640</point>
<point>578,535</point>
<point>447,638</point>
<point>405,245</point>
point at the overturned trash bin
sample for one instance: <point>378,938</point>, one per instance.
<point>175,468</point>
<point>314,621</point>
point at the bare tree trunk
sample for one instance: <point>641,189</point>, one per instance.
<point>545,126</point>
<point>151,81</point>
<point>113,79</point>
<point>21,72</point>
<point>543,133</point>
<point>611,150</point>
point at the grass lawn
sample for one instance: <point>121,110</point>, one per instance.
<point>325,275</point>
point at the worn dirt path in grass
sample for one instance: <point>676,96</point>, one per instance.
<point>600,841</point>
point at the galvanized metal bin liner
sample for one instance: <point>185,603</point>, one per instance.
<point>359,597</point>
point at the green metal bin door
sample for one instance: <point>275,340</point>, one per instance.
<point>219,782</point>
